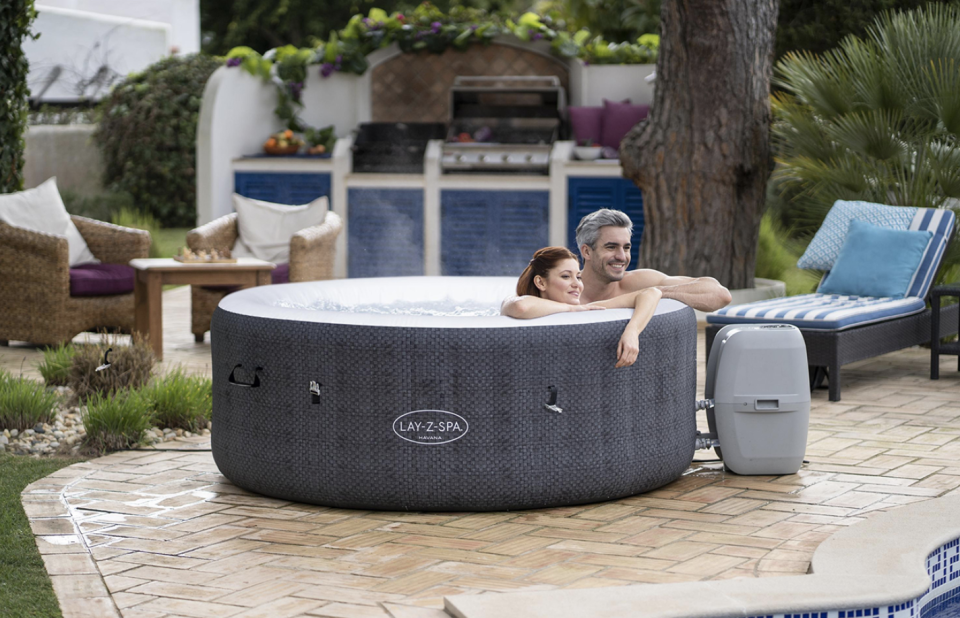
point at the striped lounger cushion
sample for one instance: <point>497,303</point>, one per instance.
<point>835,312</point>
<point>819,311</point>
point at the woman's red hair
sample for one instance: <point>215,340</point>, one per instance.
<point>543,261</point>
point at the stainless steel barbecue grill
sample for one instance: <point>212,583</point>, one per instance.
<point>503,124</point>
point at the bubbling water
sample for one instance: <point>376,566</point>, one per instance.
<point>440,308</point>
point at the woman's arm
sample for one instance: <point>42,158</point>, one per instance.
<point>644,303</point>
<point>527,307</point>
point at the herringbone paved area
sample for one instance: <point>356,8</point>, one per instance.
<point>154,534</point>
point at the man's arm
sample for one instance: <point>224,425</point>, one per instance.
<point>701,293</point>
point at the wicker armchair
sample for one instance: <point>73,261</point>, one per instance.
<point>312,252</point>
<point>35,301</point>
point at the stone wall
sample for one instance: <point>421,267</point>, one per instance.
<point>416,87</point>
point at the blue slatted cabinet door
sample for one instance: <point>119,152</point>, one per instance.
<point>384,232</point>
<point>631,202</point>
<point>491,233</point>
<point>586,195</point>
<point>282,188</point>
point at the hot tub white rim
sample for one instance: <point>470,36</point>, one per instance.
<point>261,302</point>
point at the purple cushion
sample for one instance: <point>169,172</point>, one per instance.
<point>101,279</point>
<point>280,274</point>
<point>618,118</point>
<point>586,123</point>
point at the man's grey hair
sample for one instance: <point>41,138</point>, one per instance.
<point>589,229</point>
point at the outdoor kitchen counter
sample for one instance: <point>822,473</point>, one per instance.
<point>435,223</point>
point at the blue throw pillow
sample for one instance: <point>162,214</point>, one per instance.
<point>825,246</point>
<point>876,261</point>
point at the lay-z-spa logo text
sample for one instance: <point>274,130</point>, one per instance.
<point>430,426</point>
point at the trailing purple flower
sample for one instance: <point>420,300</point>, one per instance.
<point>326,69</point>
<point>435,27</point>
<point>233,62</point>
<point>295,89</point>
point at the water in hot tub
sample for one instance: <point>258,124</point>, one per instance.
<point>441,308</point>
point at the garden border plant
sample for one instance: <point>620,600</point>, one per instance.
<point>25,403</point>
<point>16,17</point>
<point>426,29</point>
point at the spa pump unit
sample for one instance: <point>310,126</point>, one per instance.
<point>757,399</point>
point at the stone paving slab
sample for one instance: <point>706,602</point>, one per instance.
<point>165,534</point>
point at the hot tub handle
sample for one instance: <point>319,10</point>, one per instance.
<point>552,401</point>
<point>256,377</point>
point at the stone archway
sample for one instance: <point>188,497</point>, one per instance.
<point>415,87</point>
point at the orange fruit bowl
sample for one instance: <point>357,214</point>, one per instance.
<point>281,150</point>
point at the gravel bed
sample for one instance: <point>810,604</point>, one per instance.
<point>64,436</point>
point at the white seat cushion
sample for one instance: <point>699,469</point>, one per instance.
<point>265,228</point>
<point>42,210</point>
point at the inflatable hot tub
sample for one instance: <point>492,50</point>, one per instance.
<point>413,394</point>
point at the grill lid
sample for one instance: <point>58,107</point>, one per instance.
<point>506,110</point>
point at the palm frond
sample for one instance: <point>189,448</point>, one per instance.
<point>876,119</point>
<point>942,81</point>
<point>874,134</point>
<point>818,81</point>
<point>944,162</point>
<point>796,131</point>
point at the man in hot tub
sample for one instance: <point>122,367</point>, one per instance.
<point>604,241</point>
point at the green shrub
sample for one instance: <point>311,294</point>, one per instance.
<point>181,401</point>
<point>777,256</point>
<point>16,17</point>
<point>116,423</point>
<point>100,207</point>
<point>130,368</point>
<point>876,119</point>
<point>147,134</point>
<point>55,367</point>
<point>129,217</point>
<point>821,25</point>
<point>24,403</point>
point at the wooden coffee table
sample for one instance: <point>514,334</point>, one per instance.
<point>153,274</point>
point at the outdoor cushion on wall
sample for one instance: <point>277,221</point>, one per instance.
<point>42,210</point>
<point>618,118</point>
<point>586,124</point>
<point>265,228</point>
<point>876,261</point>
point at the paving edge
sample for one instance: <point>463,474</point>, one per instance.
<point>77,582</point>
<point>875,563</point>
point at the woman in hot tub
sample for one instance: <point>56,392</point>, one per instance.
<point>551,284</point>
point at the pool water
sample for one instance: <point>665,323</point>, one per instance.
<point>950,610</point>
<point>439,308</point>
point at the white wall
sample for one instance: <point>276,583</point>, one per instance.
<point>114,37</point>
<point>236,118</point>
<point>591,84</point>
<point>183,16</point>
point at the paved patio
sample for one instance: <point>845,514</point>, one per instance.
<point>162,533</point>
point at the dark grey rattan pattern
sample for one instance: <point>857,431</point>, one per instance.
<point>833,349</point>
<point>622,431</point>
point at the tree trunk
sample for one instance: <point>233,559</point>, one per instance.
<point>701,158</point>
